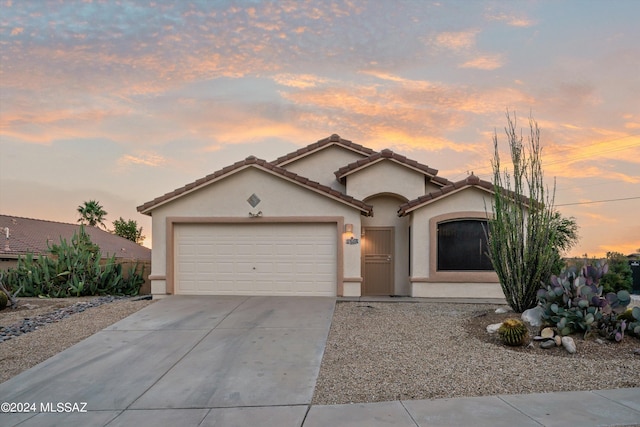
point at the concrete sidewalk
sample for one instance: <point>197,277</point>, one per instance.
<point>251,361</point>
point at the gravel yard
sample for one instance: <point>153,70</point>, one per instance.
<point>390,351</point>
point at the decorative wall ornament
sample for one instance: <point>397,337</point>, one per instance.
<point>253,200</point>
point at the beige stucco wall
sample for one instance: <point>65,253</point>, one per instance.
<point>385,210</point>
<point>385,176</point>
<point>321,165</point>
<point>228,198</point>
<point>426,281</point>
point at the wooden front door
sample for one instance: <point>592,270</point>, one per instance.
<point>378,259</point>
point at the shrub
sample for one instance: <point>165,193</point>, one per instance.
<point>620,276</point>
<point>574,302</point>
<point>3,300</point>
<point>74,269</point>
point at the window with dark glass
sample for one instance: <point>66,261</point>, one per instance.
<point>462,246</point>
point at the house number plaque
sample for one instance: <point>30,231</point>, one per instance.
<point>352,241</point>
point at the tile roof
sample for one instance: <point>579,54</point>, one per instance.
<point>398,158</point>
<point>323,143</point>
<point>470,181</point>
<point>252,161</point>
<point>32,235</point>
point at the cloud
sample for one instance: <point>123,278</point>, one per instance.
<point>301,81</point>
<point>142,158</point>
<point>459,40</point>
<point>512,20</point>
<point>485,62</point>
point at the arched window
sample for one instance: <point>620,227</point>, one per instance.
<point>462,246</point>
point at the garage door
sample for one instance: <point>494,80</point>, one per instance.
<point>255,259</point>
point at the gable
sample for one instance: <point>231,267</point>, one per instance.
<point>255,163</point>
<point>278,197</point>
<point>320,165</point>
<point>385,177</point>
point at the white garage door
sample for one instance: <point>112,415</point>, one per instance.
<point>255,259</point>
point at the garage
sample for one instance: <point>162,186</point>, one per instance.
<point>255,259</point>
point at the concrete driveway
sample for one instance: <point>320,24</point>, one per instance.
<point>254,359</point>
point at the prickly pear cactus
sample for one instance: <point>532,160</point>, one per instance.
<point>513,332</point>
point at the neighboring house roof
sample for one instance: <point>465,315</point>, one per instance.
<point>252,161</point>
<point>321,145</point>
<point>387,154</point>
<point>470,181</point>
<point>27,235</point>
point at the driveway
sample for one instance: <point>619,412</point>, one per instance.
<point>254,360</point>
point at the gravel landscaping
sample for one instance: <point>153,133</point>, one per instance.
<point>390,351</point>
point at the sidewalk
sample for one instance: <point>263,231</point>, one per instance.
<point>618,407</point>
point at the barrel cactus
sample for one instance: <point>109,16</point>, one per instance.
<point>513,332</point>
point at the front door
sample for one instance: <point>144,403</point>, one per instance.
<point>378,258</point>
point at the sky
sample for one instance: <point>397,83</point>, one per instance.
<point>123,101</point>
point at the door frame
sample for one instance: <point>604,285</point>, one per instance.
<point>391,264</point>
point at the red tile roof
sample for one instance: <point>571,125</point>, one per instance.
<point>323,143</point>
<point>252,161</point>
<point>32,235</point>
<point>470,181</point>
<point>387,154</point>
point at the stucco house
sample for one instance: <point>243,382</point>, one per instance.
<point>333,218</point>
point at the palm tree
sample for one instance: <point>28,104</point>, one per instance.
<point>92,213</point>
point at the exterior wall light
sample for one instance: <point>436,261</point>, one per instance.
<point>348,228</point>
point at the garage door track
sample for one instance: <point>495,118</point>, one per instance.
<point>254,360</point>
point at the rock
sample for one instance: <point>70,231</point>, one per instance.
<point>502,310</point>
<point>569,344</point>
<point>547,333</point>
<point>548,344</point>
<point>539,338</point>
<point>636,351</point>
<point>558,340</point>
<point>599,341</point>
<point>30,324</point>
<point>493,328</point>
<point>533,316</point>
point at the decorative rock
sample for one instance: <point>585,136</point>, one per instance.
<point>547,333</point>
<point>599,341</point>
<point>493,328</point>
<point>539,338</point>
<point>30,324</point>
<point>569,344</point>
<point>548,344</point>
<point>502,310</point>
<point>558,340</point>
<point>637,351</point>
<point>533,316</point>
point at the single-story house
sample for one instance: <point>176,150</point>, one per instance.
<point>333,218</point>
<point>20,236</point>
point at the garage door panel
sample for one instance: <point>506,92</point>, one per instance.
<point>260,259</point>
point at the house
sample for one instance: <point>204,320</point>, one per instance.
<point>333,218</point>
<point>20,236</point>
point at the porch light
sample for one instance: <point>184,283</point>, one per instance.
<point>348,228</point>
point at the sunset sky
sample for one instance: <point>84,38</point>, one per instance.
<point>123,101</point>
